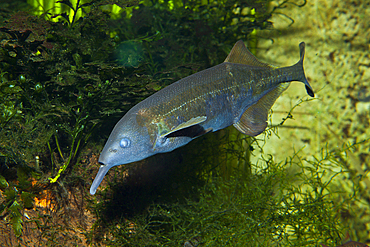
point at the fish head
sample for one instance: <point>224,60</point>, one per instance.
<point>128,142</point>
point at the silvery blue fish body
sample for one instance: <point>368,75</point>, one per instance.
<point>239,92</point>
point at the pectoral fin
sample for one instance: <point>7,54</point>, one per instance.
<point>254,120</point>
<point>191,122</point>
<point>192,132</point>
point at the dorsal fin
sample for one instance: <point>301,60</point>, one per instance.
<point>240,54</point>
<point>254,120</point>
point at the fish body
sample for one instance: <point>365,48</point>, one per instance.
<point>240,92</point>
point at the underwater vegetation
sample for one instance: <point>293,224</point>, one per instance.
<point>66,79</point>
<point>264,205</point>
<point>55,85</point>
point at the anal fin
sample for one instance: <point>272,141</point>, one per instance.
<point>254,120</point>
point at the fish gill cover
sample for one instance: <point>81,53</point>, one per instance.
<point>65,81</point>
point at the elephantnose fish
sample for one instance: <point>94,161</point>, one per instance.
<point>240,92</point>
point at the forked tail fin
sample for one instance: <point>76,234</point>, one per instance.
<point>300,63</point>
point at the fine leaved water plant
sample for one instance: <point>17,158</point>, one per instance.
<point>14,199</point>
<point>290,203</point>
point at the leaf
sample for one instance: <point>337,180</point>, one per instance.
<point>23,176</point>
<point>16,218</point>
<point>67,2</point>
<point>86,4</point>
<point>66,17</point>
<point>15,207</point>
<point>27,199</point>
<point>3,183</point>
<point>10,194</point>
<point>17,224</point>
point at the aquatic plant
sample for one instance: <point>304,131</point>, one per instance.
<point>53,96</point>
<point>290,203</point>
<point>16,198</point>
<point>72,10</point>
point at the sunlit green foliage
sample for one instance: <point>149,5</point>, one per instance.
<point>72,10</point>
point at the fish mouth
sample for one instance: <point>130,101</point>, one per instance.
<point>99,178</point>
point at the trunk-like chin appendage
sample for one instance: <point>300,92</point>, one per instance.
<point>99,177</point>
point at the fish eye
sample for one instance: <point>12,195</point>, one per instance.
<point>124,143</point>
